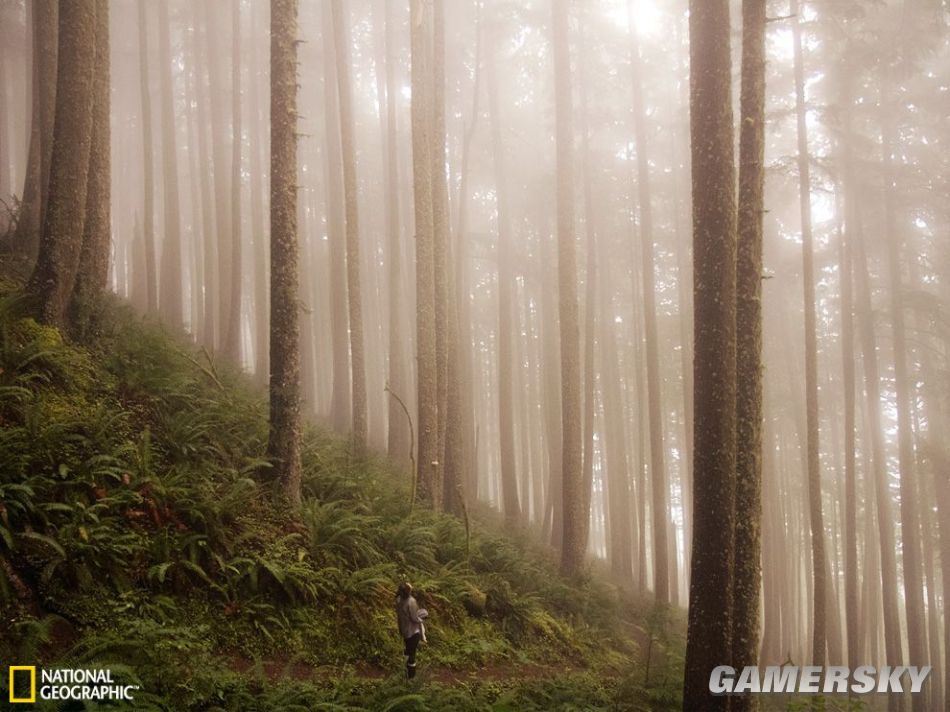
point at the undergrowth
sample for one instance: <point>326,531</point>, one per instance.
<point>140,529</point>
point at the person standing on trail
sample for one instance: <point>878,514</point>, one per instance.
<point>411,626</point>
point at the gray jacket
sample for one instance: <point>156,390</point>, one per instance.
<point>410,617</point>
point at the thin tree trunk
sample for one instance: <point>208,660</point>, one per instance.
<point>506,284</point>
<point>714,278</point>
<point>232,344</point>
<point>340,406</point>
<point>659,487</point>
<point>148,165</point>
<point>170,290</point>
<point>351,198</point>
<point>36,183</point>
<point>811,354</point>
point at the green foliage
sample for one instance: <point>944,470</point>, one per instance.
<point>139,527</point>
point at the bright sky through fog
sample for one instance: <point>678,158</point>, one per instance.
<point>645,13</point>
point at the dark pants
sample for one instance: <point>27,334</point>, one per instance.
<point>412,643</point>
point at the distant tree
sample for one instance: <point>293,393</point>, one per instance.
<point>440,223</point>
<point>148,165</point>
<point>340,402</point>
<point>387,59</point>
<point>575,520</point>
<point>506,286</point>
<point>811,354</point>
<point>232,343</point>
<point>658,483</point>
<point>714,290</point>
<point>428,487</point>
<point>284,441</point>
<point>51,283</point>
<point>93,271</point>
<point>351,200</point>
<point>36,182</point>
<point>170,291</point>
<point>749,407</point>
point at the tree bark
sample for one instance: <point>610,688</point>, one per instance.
<point>714,288</point>
<point>428,486</point>
<point>53,278</point>
<point>749,412</point>
<point>93,271</point>
<point>284,443</point>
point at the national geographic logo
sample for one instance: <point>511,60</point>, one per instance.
<point>65,684</point>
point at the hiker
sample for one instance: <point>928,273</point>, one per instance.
<point>411,626</point>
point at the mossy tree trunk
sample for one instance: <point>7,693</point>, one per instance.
<point>93,271</point>
<point>749,412</point>
<point>714,292</point>
<point>51,283</point>
<point>284,442</point>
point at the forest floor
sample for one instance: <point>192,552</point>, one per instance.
<point>140,530</point>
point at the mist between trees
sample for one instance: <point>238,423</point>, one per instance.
<point>682,324</point>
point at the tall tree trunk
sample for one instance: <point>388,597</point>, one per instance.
<point>51,283</point>
<point>170,290</point>
<point>811,354</point>
<point>659,487</point>
<point>284,443</point>
<point>440,223</point>
<point>749,412</point>
<point>714,289</point>
<point>93,271</point>
<point>340,405</point>
<point>148,165</point>
<point>36,184</point>
<point>427,485</point>
<point>387,58</point>
<point>909,507</point>
<point>257,226</point>
<point>351,197</point>
<point>590,287</point>
<point>232,344</point>
<point>575,520</point>
<point>506,284</point>
<point>209,274</point>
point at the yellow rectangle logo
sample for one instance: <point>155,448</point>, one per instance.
<point>32,670</point>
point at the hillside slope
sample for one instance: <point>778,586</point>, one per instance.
<point>139,530</point>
